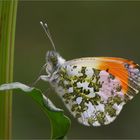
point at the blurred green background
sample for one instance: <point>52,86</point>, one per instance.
<point>78,29</point>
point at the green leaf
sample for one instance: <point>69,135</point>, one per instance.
<point>59,122</point>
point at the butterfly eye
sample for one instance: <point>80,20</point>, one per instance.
<point>53,60</point>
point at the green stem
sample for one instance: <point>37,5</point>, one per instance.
<point>7,36</point>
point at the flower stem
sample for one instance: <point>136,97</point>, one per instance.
<point>8,10</point>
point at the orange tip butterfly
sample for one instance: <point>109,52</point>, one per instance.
<point>94,89</point>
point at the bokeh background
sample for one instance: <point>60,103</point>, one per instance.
<point>79,29</point>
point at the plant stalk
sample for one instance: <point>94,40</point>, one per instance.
<point>8,10</point>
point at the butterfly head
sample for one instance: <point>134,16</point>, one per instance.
<point>53,61</point>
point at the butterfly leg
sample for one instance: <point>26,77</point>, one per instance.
<point>44,77</point>
<point>41,77</point>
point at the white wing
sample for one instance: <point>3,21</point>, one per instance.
<point>95,89</point>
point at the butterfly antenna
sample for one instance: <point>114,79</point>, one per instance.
<point>46,29</point>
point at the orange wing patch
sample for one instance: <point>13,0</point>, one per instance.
<point>120,68</point>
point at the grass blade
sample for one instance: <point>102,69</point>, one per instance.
<point>7,36</point>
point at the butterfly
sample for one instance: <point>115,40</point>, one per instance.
<point>94,89</point>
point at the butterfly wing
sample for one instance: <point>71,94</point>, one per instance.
<point>95,89</point>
